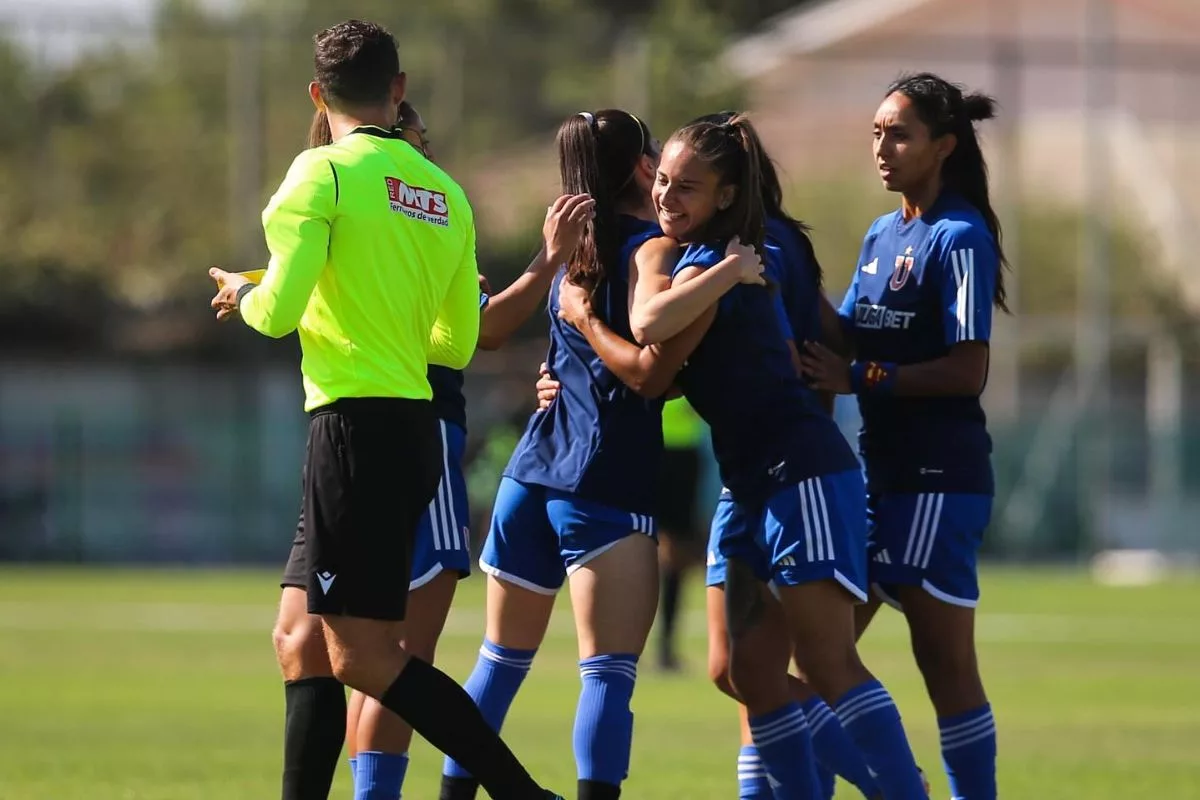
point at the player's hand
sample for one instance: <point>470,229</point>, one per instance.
<point>547,388</point>
<point>749,263</point>
<point>564,225</point>
<point>825,369</point>
<point>574,304</point>
<point>228,284</point>
<point>484,286</point>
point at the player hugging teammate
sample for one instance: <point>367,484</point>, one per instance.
<point>671,269</point>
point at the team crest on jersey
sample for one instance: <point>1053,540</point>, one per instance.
<point>423,205</point>
<point>904,267</point>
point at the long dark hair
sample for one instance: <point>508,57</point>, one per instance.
<point>732,149</point>
<point>598,154</point>
<point>772,195</point>
<point>944,109</point>
<point>318,132</point>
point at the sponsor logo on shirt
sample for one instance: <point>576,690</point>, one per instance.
<point>877,318</point>
<point>423,205</point>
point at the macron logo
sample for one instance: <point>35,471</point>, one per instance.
<point>423,205</point>
<point>326,580</point>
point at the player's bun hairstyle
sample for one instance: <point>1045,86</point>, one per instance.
<point>945,109</point>
<point>772,193</point>
<point>731,148</point>
<point>319,134</point>
<point>354,63</point>
<point>598,154</point>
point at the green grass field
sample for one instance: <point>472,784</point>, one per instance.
<point>145,685</point>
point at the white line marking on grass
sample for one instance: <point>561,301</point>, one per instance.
<point>132,617</point>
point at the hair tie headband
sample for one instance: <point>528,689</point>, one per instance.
<point>587,115</point>
<point>641,131</point>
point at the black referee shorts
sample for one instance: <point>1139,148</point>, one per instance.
<point>371,469</point>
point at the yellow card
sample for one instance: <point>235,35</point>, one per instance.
<point>253,275</point>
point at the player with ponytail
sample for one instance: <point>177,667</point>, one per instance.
<point>576,503</point>
<point>919,318</point>
<point>788,471</point>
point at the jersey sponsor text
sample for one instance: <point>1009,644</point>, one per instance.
<point>423,205</point>
<point>875,318</point>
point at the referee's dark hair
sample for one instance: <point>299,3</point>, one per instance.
<point>354,63</point>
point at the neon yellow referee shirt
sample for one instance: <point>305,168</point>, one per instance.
<point>373,262</point>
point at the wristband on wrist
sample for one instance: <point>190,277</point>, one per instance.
<point>872,377</point>
<point>243,291</point>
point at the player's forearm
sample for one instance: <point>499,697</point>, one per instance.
<point>650,371</point>
<point>507,311</point>
<point>834,329</point>
<point>667,313</point>
<point>634,366</point>
<point>826,399</point>
<point>959,374</point>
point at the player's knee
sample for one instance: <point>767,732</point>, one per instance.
<point>428,610</point>
<point>756,680</point>
<point>718,672</point>
<point>350,664</point>
<point>830,669</point>
<point>300,646</point>
<point>946,661</point>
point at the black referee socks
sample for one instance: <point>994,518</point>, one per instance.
<point>441,711</point>
<point>595,790</point>
<point>458,788</point>
<point>313,735</point>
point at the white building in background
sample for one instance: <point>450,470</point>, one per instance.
<point>816,74</point>
<point>1098,110</point>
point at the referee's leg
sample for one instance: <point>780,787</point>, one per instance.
<point>373,467</point>
<point>315,701</point>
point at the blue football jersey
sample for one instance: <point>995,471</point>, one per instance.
<point>599,439</point>
<point>922,287</point>
<point>767,429</point>
<point>449,402</point>
<point>790,263</point>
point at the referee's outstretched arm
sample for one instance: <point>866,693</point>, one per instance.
<point>455,332</point>
<point>296,223</point>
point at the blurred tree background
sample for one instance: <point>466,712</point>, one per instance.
<point>129,170</point>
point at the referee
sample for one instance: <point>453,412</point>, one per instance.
<point>373,262</point>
